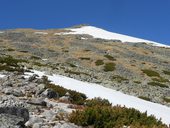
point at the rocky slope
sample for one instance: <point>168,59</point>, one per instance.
<point>137,69</point>
<point>26,102</point>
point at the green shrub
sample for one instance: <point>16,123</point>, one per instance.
<point>72,65</point>
<point>158,84</point>
<point>99,62</point>
<point>110,57</point>
<point>35,57</point>
<point>97,102</point>
<point>76,73</point>
<point>150,73</point>
<point>8,63</point>
<point>119,78</point>
<point>10,49</point>
<point>114,117</point>
<point>145,98</point>
<point>24,51</point>
<point>166,72</point>
<point>39,64</point>
<point>76,97</point>
<point>109,67</point>
<point>84,58</point>
<point>166,99</point>
<point>160,79</point>
<point>137,82</point>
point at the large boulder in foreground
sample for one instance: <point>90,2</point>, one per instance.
<point>15,115</point>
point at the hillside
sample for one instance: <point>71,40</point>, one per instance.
<point>133,66</point>
<point>138,69</point>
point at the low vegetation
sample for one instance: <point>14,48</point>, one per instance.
<point>166,99</point>
<point>8,63</point>
<point>72,65</point>
<point>97,102</point>
<point>109,57</point>
<point>158,84</point>
<point>76,72</point>
<point>35,57</point>
<point>137,82</point>
<point>84,58</point>
<point>100,114</point>
<point>160,79</point>
<point>109,67</point>
<point>144,98</point>
<point>119,78</point>
<point>166,72</point>
<point>39,64</point>
<point>151,73</point>
<point>76,97</point>
<point>99,62</point>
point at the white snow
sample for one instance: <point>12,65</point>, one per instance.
<point>1,76</point>
<point>1,32</point>
<point>82,38</point>
<point>100,33</point>
<point>115,97</point>
<point>41,33</point>
<point>44,59</point>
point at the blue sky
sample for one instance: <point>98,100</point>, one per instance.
<point>148,19</point>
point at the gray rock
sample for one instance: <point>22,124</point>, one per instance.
<point>64,99</point>
<point>16,111</point>
<point>49,114</point>
<point>33,77</point>
<point>66,125</point>
<point>11,101</point>
<point>37,125</point>
<point>37,101</point>
<point>50,93</point>
<point>34,120</point>
<point>15,92</point>
<point>7,84</point>
<point>10,121</point>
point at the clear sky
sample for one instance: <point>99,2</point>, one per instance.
<point>148,19</point>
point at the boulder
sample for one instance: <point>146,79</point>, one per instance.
<point>33,77</point>
<point>21,113</point>
<point>34,120</point>
<point>14,92</point>
<point>50,93</point>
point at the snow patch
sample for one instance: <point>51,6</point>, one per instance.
<point>1,76</point>
<point>1,32</point>
<point>82,38</point>
<point>41,33</point>
<point>103,34</point>
<point>44,59</point>
<point>115,97</point>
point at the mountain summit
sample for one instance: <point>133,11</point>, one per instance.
<point>103,34</point>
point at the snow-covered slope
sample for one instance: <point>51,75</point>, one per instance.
<point>115,97</point>
<point>100,33</point>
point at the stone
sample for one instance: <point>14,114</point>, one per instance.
<point>33,77</point>
<point>49,114</point>
<point>10,121</point>
<point>11,91</point>
<point>7,84</point>
<point>36,125</point>
<point>18,112</point>
<point>66,125</point>
<point>37,101</point>
<point>64,99</point>
<point>34,120</point>
<point>50,93</point>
